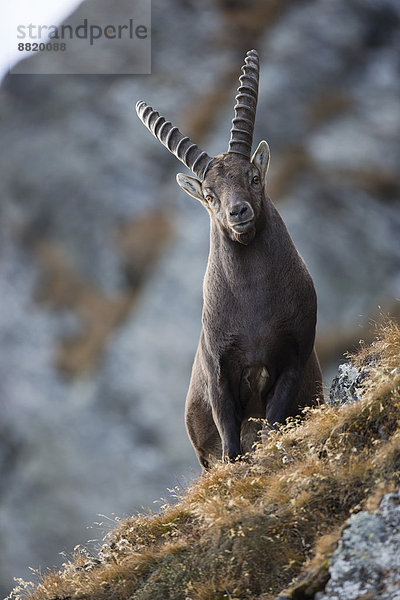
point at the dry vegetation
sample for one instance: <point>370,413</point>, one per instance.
<point>252,528</point>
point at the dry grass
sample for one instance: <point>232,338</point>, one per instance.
<point>249,529</point>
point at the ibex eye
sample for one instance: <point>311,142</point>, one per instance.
<point>255,180</point>
<point>209,198</point>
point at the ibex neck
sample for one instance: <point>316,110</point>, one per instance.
<point>270,247</point>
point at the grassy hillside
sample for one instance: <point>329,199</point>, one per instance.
<point>255,527</point>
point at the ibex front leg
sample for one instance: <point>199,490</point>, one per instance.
<point>226,418</point>
<point>283,400</point>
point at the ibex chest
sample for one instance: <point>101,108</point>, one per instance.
<point>258,305</point>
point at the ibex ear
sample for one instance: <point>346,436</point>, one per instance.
<point>190,185</point>
<point>260,158</point>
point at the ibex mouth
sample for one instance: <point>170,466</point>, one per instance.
<point>243,226</point>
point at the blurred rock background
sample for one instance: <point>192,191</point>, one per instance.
<point>102,256</point>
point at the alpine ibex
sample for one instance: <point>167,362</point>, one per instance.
<point>256,356</point>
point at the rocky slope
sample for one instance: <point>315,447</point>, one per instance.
<point>313,513</point>
<point>102,258</point>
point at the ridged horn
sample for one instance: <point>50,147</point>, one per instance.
<point>189,153</point>
<point>245,108</point>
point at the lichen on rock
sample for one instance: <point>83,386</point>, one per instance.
<point>366,563</point>
<point>348,384</point>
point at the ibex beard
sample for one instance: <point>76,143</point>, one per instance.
<point>255,361</point>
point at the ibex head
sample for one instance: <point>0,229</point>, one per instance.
<point>230,185</point>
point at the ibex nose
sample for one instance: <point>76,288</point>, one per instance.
<point>238,210</point>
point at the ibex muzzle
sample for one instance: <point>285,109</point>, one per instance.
<point>256,357</point>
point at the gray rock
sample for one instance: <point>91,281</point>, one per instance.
<point>347,386</point>
<point>366,562</point>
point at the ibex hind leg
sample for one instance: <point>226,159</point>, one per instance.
<point>293,393</point>
<point>311,391</point>
<point>201,429</point>
<point>249,434</point>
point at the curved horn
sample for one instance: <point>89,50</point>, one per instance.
<point>245,107</point>
<point>190,154</point>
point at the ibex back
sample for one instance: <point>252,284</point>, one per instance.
<point>256,357</point>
